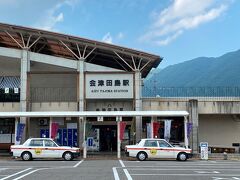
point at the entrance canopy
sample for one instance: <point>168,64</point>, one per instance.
<point>95,113</point>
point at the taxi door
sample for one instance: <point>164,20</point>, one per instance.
<point>151,148</point>
<point>51,149</point>
<point>165,150</point>
<point>36,148</point>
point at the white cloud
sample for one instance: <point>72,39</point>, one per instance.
<point>169,39</point>
<point>180,16</point>
<point>107,38</point>
<point>120,35</point>
<point>52,17</point>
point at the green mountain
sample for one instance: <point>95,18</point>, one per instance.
<point>223,71</point>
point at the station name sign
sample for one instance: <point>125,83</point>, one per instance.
<point>109,86</point>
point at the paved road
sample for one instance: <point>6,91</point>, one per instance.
<point>118,170</point>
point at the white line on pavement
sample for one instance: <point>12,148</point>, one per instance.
<point>121,162</point>
<point>174,169</point>
<point>225,175</point>
<point>125,170</point>
<point>20,177</point>
<point>16,174</point>
<point>115,173</point>
<point>127,174</point>
<point>76,165</point>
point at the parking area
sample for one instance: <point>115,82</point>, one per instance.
<point>119,169</point>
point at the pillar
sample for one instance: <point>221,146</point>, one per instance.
<point>25,67</point>
<point>82,121</point>
<point>185,132</point>
<point>152,120</point>
<point>118,141</point>
<point>138,103</point>
<point>193,118</point>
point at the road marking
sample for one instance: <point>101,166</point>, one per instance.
<point>127,174</point>
<point>125,170</point>
<point>20,177</point>
<point>207,172</point>
<point>16,173</point>
<point>225,175</point>
<point>115,173</point>
<point>121,162</point>
<point>76,165</point>
<point>195,170</point>
<point>221,178</point>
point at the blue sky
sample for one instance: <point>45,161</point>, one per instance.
<point>177,30</point>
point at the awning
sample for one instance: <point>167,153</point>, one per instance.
<point>10,82</point>
<point>96,113</point>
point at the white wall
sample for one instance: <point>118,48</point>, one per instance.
<point>219,130</point>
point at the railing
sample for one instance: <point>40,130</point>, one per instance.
<point>57,94</point>
<point>60,94</point>
<point>209,92</point>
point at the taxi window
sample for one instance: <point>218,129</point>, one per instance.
<point>164,144</point>
<point>49,143</point>
<point>36,143</point>
<point>150,143</point>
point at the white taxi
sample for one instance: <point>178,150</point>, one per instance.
<point>157,148</point>
<point>43,148</point>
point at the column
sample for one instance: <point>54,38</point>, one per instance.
<point>118,141</point>
<point>193,117</point>
<point>185,132</point>
<point>152,120</point>
<point>138,103</point>
<point>25,67</point>
<point>16,123</point>
<point>82,121</point>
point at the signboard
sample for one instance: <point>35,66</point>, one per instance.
<point>204,150</point>
<point>109,86</point>
<point>71,125</point>
<point>90,141</point>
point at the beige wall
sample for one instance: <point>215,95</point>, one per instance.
<point>54,106</point>
<point>9,66</point>
<point>9,106</point>
<point>219,130</point>
<point>53,80</point>
<point>205,106</point>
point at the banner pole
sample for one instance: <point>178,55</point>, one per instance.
<point>118,140</point>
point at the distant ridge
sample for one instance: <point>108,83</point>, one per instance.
<point>210,73</point>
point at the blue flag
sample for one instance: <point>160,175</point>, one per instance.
<point>20,129</point>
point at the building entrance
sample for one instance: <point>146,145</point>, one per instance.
<point>107,137</point>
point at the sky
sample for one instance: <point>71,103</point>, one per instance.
<point>177,30</point>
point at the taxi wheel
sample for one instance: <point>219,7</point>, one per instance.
<point>26,156</point>
<point>67,156</point>
<point>182,157</point>
<point>141,156</point>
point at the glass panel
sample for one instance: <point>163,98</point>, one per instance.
<point>36,143</point>
<point>49,143</point>
<point>150,143</point>
<point>164,144</point>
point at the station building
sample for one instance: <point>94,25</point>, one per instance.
<point>46,71</point>
<point>42,71</point>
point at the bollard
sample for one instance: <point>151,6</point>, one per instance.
<point>225,156</point>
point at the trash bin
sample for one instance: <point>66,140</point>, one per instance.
<point>225,156</point>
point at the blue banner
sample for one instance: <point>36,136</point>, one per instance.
<point>20,129</point>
